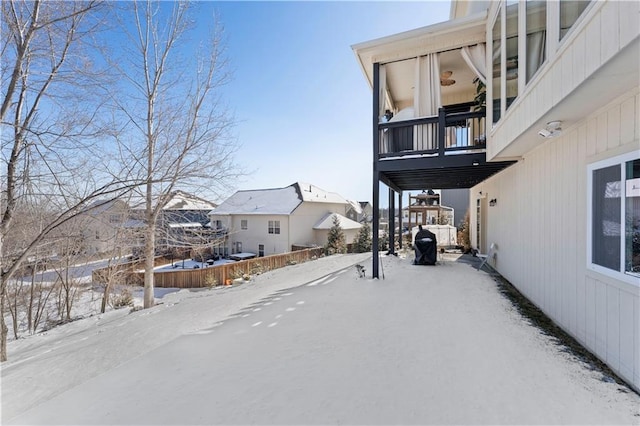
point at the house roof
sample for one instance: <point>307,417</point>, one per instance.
<point>327,222</point>
<point>275,201</point>
<point>181,200</point>
<point>312,193</point>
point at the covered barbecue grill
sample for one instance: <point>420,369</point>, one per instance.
<point>426,247</point>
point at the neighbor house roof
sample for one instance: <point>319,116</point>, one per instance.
<point>275,201</point>
<point>184,201</point>
<point>327,222</point>
<point>180,200</point>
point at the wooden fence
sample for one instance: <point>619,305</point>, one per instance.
<point>220,274</point>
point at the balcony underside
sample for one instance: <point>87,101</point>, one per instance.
<point>439,172</point>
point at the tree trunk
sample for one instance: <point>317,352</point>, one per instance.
<point>149,252</point>
<point>3,326</point>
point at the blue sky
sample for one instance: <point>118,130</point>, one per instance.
<point>301,101</point>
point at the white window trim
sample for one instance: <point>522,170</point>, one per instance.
<point>619,274</point>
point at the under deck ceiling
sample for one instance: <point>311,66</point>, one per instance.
<point>438,173</point>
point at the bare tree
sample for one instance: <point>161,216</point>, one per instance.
<point>177,124</point>
<point>51,126</point>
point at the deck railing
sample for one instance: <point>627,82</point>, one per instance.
<point>440,134</point>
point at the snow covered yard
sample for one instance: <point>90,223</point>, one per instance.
<point>435,344</point>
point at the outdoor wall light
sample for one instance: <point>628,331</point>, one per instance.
<point>553,129</point>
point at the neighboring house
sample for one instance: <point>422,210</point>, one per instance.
<point>350,228</point>
<point>101,226</point>
<point>272,221</point>
<point>182,222</point>
<point>183,219</point>
<point>458,200</point>
<point>555,171</point>
<point>360,211</point>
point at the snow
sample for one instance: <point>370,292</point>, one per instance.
<point>277,201</point>
<point>312,193</point>
<point>312,343</point>
<point>345,223</point>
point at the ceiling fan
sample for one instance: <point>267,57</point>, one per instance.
<point>445,80</point>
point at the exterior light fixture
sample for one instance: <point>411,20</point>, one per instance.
<point>553,129</point>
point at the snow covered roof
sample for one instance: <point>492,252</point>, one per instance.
<point>275,201</point>
<point>312,193</point>
<point>183,201</point>
<point>185,225</point>
<point>357,207</point>
<point>180,200</point>
<point>327,222</point>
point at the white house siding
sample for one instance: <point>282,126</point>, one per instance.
<point>305,217</point>
<point>257,233</point>
<point>539,225</point>
<point>606,28</point>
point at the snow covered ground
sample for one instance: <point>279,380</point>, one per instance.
<point>312,343</point>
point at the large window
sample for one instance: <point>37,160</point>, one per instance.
<point>497,70</point>
<point>614,248</point>
<point>536,36</point>
<point>511,46</point>
<point>570,11</point>
<point>274,226</point>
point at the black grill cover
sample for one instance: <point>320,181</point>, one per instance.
<point>426,248</point>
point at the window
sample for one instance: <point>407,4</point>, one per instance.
<point>511,45</point>
<point>570,11</point>
<point>614,217</point>
<point>536,36</point>
<point>274,226</point>
<point>243,224</point>
<point>497,70</point>
<point>260,250</point>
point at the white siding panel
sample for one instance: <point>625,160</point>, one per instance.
<point>613,126</point>
<point>626,335</point>
<point>568,78</point>
<point>636,342</point>
<point>610,34</point>
<point>602,134</point>
<point>629,16</point>
<point>601,319</point>
<point>627,122</point>
<point>556,83</point>
<point>637,137</point>
<point>590,310</point>
<point>579,55</point>
<point>593,44</point>
<point>613,327</point>
<point>592,137</point>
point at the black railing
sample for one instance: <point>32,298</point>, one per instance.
<point>441,134</point>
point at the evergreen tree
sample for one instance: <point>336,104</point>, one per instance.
<point>336,241</point>
<point>383,241</point>
<point>362,243</point>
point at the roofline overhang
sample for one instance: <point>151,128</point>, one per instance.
<point>413,43</point>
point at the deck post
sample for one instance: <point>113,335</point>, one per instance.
<point>376,174</point>
<point>442,124</point>
<point>392,222</point>
<point>400,219</point>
